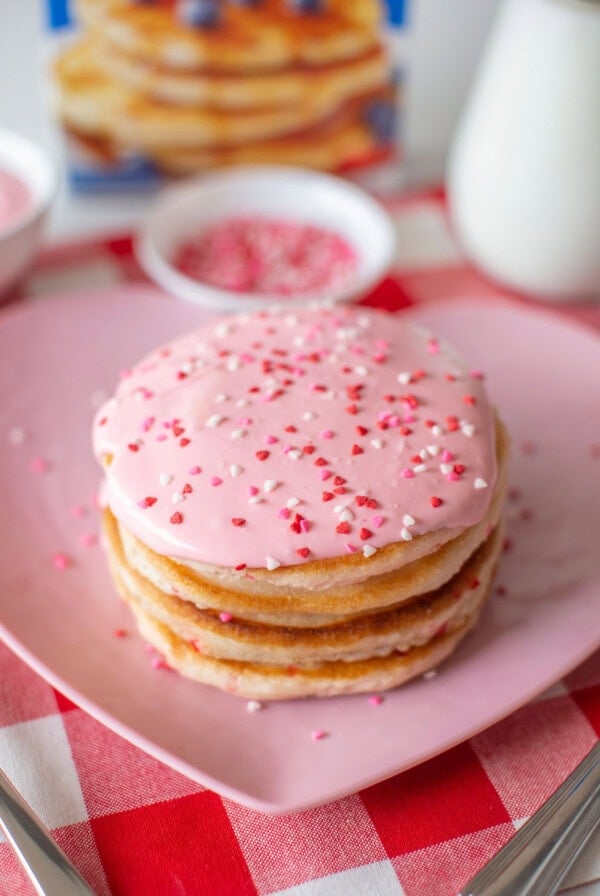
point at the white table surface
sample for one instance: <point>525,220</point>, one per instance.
<point>23,109</point>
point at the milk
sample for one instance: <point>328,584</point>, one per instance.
<point>524,172</point>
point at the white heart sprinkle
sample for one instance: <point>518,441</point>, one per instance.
<point>253,706</point>
<point>446,468</point>
<point>16,435</point>
<point>433,450</point>
<point>339,507</point>
<point>430,674</point>
<point>419,468</point>
<point>233,364</point>
<point>423,454</point>
<point>235,470</point>
<point>437,430</point>
<point>292,502</point>
<point>376,443</point>
<point>238,433</point>
<point>241,403</point>
<point>480,483</point>
<point>294,454</point>
<point>272,563</point>
<point>308,416</point>
<point>368,550</point>
<point>406,535</point>
<point>408,520</point>
<point>360,370</point>
<point>177,498</point>
<point>214,421</point>
<point>468,430</point>
<point>270,485</point>
<point>404,377</point>
<point>165,478</point>
<point>188,368</point>
<point>220,399</point>
<point>346,516</point>
<point>255,499</point>
<point>223,330</point>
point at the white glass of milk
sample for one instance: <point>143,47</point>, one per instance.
<point>524,171</point>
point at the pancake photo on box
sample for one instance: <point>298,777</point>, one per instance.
<point>303,503</point>
<point>194,84</point>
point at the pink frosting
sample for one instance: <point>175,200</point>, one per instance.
<point>280,438</point>
<point>15,199</point>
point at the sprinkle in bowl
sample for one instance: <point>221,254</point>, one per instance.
<point>281,221</point>
<point>27,186</point>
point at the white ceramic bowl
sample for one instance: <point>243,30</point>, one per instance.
<point>20,242</point>
<point>309,197</point>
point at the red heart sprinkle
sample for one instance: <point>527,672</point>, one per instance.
<point>362,430</point>
<point>240,566</point>
<point>339,480</point>
<point>356,449</point>
<point>291,429</point>
<point>177,518</point>
<point>361,500</point>
<point>321,462</point>
<point>262,455</point>
<point>303,552</point>
<point>435,501</point>
<point>178,430</point>
<point>133,447</point>
<point>459,468</point>
<point>327,496</point>
<point>308,449</point>
<point>183,442</point>
<point>364,534</point>
<point>343,528</point>
<point>238,521</point>
<point>352,409</point>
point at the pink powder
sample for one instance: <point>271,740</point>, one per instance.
<point>268,256</point>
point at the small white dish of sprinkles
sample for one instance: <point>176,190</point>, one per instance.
<point>238,240</point>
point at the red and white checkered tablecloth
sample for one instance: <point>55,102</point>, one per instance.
<point>135,828</point>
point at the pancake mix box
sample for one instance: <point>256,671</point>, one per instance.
<point>150,88</point>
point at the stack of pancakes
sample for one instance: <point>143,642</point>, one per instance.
<point>266,83</point>
<point>332,615</point>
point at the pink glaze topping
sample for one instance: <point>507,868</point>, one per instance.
<point>259,406</point>
<point>15,200</point>
<point>268,256</point>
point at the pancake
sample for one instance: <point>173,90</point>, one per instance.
<point>267,36</point>
<point>263,682</point>
<point>293,497</point>
<point>245,90</point>
<point>326,147</point>
<point>327,590</point>
<point>401,627</point>
<point>93,102</point>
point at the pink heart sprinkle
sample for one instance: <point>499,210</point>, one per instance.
<point>39,465</point>
<point>193,471</point>
<point>407,473</point>
<point>327,434</point>
<point>216,480</point>
<point>447,456</point>
<point>377,521</point>
<point>325,474</point>
<point>253,490</point>
<point>61,561</point>
<point>376,700</point>
<point>318,734</point>
<point>225,617</point>
<point>270,440</point>
<point>351,549</point>
<point>283,514</point>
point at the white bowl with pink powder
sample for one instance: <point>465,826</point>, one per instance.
<point>27,186</point>
<point>252,236</point>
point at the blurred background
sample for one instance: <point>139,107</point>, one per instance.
<point>434,46</point>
